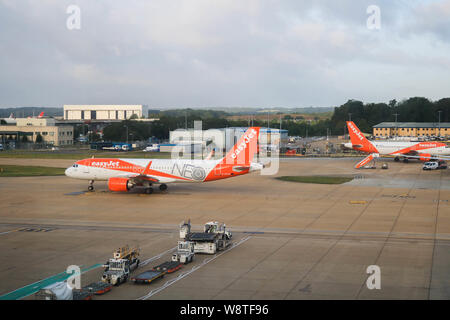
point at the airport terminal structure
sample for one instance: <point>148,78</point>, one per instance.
<point>52,131</point>
<point>104,112</point>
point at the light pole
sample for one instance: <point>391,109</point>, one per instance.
<point>396,129</point>
<point>439,112</point>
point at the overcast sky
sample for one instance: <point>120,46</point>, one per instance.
<point>203,53</point>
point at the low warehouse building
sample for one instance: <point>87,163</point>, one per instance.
<point>33,127</point>
<point>411,129</point>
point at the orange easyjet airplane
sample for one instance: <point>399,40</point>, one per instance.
<point>126,174</point>
<point>420,150</point>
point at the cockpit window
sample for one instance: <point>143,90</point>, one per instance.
<point>75,165</point>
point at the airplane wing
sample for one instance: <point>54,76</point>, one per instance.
<point>140,177</point>
<point>430,157</point>
<point>409,153</point>
<point>143,176</point>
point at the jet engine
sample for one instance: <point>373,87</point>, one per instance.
<point>119,184</point>
<point>425,157</point>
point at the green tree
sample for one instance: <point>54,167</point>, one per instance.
<point>39,138</point>
<point>94,137</point>
<point>137,130</point>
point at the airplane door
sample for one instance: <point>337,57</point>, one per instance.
<point>85,169</point>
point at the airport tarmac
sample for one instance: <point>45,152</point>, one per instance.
<point>292,240</point>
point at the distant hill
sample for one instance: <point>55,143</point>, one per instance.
<point>306,110</point>
<point>23,112</point>
<point>216,112</point>
<point>248,110</point>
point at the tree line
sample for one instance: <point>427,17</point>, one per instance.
<point>365,115</point>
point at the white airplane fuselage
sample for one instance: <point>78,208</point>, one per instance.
<point>398,147</point>
<point>166,171</point>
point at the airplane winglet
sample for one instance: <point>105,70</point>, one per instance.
<point>210,155</point>
<point>146,168</point>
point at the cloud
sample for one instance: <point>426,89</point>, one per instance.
<point>222,53</point>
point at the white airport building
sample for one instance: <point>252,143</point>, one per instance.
<point>225,138</point>
<point>103,112</point>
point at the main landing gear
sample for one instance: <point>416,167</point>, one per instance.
<point>91,185</point>
<point>148,190</point>
<point>405,159</point>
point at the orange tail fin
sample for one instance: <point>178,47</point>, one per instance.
<point>243,151</point>
<point>358,139</point>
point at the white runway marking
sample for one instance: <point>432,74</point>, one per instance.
<point>145,262</point>
<point>181,276</point>
<point>8,231</point>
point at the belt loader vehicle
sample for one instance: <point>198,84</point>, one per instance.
<point>118,268</point>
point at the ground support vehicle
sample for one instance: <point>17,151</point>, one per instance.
<point>168,266</point>
<point>185,252</point>
<point>118,269</point>
<point>148,276</point>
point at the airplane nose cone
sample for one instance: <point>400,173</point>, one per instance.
<point>68,172</point>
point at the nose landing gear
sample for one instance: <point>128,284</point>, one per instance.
<point>91,185</point>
